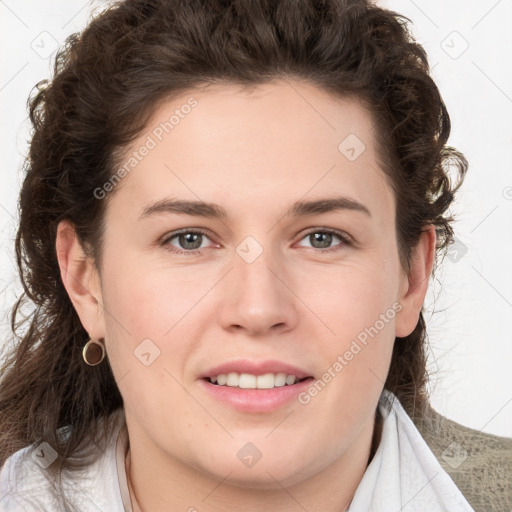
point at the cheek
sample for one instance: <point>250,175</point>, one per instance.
<point>149,301</point>
<point>353,298</point>
<point>154,318</point>
<point>148,339</point>
<point>355,356</point>
<point>358,310</point>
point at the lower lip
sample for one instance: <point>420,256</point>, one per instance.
<point>256,400</point>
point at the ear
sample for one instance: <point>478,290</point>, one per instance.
<point>414,285</point>
<point>81,280</point>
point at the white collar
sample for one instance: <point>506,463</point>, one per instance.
<point>404,474</point>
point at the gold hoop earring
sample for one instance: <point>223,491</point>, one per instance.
<point>93,352</point>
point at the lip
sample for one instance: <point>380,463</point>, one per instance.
<point>255,400</point>
<point>255,368</point>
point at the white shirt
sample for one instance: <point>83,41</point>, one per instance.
<point>403,475</point>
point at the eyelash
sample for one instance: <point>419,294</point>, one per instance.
<point>345,239</point>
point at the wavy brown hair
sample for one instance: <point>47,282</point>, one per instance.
<point>106,84</point>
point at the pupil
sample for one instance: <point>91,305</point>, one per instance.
<point>318,238</point>
<point>190,238</point>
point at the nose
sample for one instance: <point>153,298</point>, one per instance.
<point>258,297</point>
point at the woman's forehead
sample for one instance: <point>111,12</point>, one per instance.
<point>272,136</point>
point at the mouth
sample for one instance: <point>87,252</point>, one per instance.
<point>251,386</point>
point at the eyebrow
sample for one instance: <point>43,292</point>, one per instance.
<point>215,211</point>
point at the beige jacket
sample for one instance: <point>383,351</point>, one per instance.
<point>480,464</point>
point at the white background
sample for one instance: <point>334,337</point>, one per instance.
<point>469,44</point>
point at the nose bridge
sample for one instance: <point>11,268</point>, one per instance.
<point>259,297</point>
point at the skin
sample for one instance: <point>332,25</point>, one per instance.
<point>254,153</point>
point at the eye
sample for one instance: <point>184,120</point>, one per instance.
<point>322,238</point>
<point>190,241</point>
<point>187,239</point>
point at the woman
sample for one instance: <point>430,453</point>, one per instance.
<point>229,219</point>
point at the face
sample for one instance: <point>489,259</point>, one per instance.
<point>295,271</point>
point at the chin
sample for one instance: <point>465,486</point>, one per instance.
<point>271,473</point>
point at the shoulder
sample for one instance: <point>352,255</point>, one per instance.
<point>24,484</point>
<point>27,484</point>
<point>480,464</point>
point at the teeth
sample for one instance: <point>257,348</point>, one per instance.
<point>290,379</point>
<point>248,381</point>
<point>232,380</point>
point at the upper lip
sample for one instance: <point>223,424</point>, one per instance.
<point>255,368</point>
